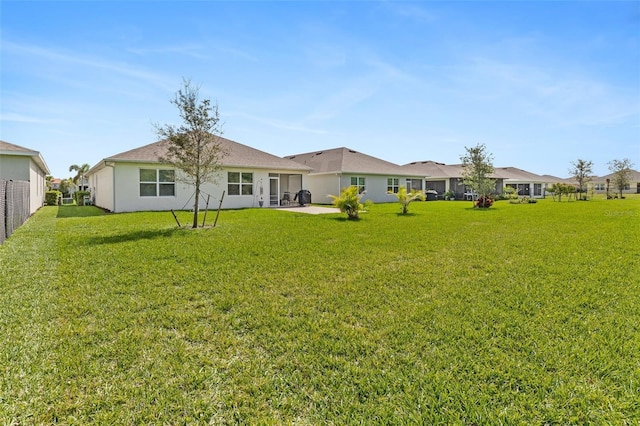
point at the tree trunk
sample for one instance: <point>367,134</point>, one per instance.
<point>195,204</point>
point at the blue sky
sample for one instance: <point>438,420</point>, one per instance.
<point>540,83</point>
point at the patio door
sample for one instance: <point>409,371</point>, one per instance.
<point>274,191</point>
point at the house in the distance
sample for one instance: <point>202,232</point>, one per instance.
<point>18,163</point>
<point>526,184</point>
<point>338,168</point>
<point>443,178</point>
<point>600,183</point>
<point>137,180</point>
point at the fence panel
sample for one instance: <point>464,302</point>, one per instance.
<point>3,212</point>
<point>15,206</point>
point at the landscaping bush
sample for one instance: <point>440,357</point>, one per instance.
<point>349,202</point>
<point>78,196</point>
<point>484,202</point>
<point>51,198</point>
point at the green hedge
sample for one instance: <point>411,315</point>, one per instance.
<point>79,197</point>
<point>51,197</point>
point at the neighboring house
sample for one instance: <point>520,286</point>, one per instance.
<point>54,184</point>
<point>338,168</point>
<point>136,180</point>
<point>442,178</point>
<point>600,183</point>
<point>525,183</point>
<point>22,164</point>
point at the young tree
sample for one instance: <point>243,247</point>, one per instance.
<point>621,170</point>
<point>581,172</point>
<point>477,166</point>
<point>78,179</point>
<point>405,198</point>
<point>349,202</point>
<point>66,186</point>
<point>194,146</point>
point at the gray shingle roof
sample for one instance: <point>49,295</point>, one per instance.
<point>237,155</point>
<point>514,173</point>
<point>634,176</point>
<point>345,160</point>
<point>6,147</point>
<point>433,169</point>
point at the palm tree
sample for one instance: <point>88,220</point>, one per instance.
<point>79,177</point>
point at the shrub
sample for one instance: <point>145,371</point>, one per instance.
<point>484,202</point>
<point>509,193</point>
<point>78,196</point>
<point>349,202</point>
<point>51,198</point>
<point>405,198</point>
<point>450,195</point>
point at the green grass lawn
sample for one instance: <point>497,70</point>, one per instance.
<point>519,314</point>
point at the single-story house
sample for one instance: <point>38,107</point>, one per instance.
<point>443,178</point>
<point>338,168</point>
<point>600,183</point>
<point>23,164</point>
<point>136,180</point>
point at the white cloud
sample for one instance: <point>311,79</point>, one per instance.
<point>22,118</point>
<point>279,124</point>
<point>56,58</point>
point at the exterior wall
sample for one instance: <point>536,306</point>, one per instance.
<point>101,188</point>
<point>37,187</point>
<point>321,185</point>
<point>14,167</point>
<point>634,187</point>
<point>376,186</point>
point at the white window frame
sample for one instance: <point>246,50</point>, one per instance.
<point>393,185</point>
<point>360,183</point>
<point>243,186</point>
<point>159,185</point>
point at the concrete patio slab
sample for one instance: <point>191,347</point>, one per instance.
<point>311,209</point>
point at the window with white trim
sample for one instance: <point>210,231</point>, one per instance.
<point>393,184</point>
<point>599,187</point>
<point>240,183</point>
<point>157,183</point>
<point>358,181</point>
